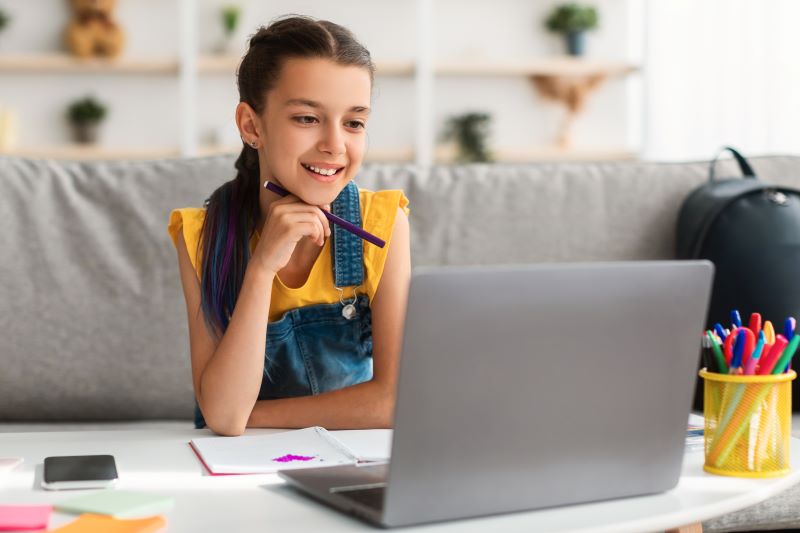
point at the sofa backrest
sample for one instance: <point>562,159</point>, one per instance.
<point>549,212</point>
<point>92,314</point>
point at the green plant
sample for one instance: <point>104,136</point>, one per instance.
<point>572,18</point>
<point>230,18</point>
<point>470,132</point>
<point>4,19</point>
<point>86,111</point>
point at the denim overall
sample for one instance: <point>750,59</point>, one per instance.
<point>323,347</point>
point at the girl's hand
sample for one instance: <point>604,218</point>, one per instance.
<point>289,220</point>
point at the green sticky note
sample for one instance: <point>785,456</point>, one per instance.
<point>117,503</point>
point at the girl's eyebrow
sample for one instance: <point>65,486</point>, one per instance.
<point>317,105</point>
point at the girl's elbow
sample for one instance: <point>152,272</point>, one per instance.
<point>226,424</point>
<point>226,430</point>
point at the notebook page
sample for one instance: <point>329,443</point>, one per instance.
<point>366,444</point>
<point>262,454</point>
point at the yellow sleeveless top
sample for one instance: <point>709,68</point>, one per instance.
<point>378,212</point>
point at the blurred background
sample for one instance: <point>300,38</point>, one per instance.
<point>457,80</point>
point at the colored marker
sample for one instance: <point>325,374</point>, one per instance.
<point>719,358</point>
<point>720,331</point>
<point>727,346</point>
<point>786,356</point>
<point>789,326</point>
<point>769,332</point>
<point>768,361</point>
<point>736,318</point>
<point>755,323</point>
<point>749,344</point>
<point>738,351</point>
<point>750,367</point>
<point>352,228</point>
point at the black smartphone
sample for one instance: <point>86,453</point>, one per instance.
<point>79,472</point>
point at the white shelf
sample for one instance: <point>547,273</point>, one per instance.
<point>227,64</point>
<point>545,66</point>
<point>446,154</point>
<point>554,153</point>
<point>387,155</point>
<point>93,153</point>
<point>555,66</point>
<point>65,63</point>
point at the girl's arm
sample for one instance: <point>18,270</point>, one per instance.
<point>227,375</point>
<point>369,404</point>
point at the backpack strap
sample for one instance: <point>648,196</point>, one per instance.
<point>745,167</point>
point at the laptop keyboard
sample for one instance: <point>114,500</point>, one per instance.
<point>372,497</point>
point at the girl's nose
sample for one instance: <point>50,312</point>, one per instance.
<point>333,141</point>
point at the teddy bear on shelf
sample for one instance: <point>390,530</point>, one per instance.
<point>92,30</point>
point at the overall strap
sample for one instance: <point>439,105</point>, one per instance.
<point>347,250</point>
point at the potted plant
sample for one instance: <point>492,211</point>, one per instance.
<point>85,116</point>
<point>573,20</point>
<point>470,132</point>
<point>5,20</point>
<point>230,16</point>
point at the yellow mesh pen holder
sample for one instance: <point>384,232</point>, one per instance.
<point>748,424</point>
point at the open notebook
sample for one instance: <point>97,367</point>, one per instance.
<point>301,448</point>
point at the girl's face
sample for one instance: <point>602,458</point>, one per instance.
<point>316,116</point>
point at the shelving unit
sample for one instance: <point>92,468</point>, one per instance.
<point>447,154</point>
<point>553,66</point>
<point>190,67</point>
<point>226,65</point>
<point>58,63</point>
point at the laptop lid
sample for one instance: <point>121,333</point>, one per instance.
<point>524,387</point>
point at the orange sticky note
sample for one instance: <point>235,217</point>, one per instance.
<point>95,523</point>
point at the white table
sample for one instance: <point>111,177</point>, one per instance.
<point>160,461</point>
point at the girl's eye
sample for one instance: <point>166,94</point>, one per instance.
<point>302,120</point>
<point>356,124</point>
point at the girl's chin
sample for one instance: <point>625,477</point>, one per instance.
<point>321,194</point>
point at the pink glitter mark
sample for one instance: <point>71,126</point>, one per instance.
<point>288,458</point>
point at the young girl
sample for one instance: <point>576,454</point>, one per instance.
<point>295,322</point>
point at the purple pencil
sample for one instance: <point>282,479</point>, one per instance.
<point>352,228</point>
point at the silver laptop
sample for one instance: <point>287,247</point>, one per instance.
<point>524,387</point>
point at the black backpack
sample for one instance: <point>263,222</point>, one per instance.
<point>750,230</point>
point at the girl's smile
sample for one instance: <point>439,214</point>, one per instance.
<point>323,172</point>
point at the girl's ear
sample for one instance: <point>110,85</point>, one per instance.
<point>247,122</point>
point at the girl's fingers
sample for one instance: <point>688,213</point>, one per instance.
<point>293,205</point>
<point>309,226</point>
<point>311,229</point>
<point>324,221</point>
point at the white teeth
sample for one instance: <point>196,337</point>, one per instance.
<point>324,172</point>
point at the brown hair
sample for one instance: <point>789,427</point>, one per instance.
<point>233,209</point>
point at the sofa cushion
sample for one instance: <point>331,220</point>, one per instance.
<point>92,312</point>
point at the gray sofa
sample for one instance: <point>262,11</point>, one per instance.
<point>91,310</point>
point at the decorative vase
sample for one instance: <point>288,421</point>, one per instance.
<point>86,132</point>
<point>576,43</point>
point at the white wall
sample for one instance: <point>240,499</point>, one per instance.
<point>721,72</point>
<point>144,108</point>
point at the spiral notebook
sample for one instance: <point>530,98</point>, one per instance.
<point>289,450</point>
